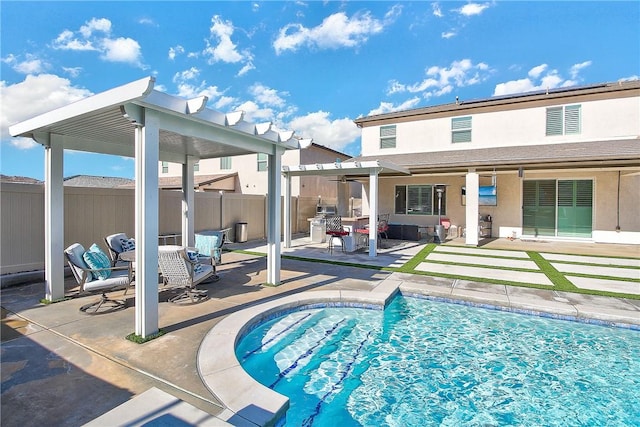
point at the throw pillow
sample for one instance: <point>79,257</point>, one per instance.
<point>128,244</point>
<point>97,260</point>
<point>193,257</point>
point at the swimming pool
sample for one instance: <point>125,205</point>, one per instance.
<point>422,362</point>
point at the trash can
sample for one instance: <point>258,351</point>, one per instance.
<point>241,232</point>
<point>439,234</point>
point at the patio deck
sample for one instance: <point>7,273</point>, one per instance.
<point>59,364</point>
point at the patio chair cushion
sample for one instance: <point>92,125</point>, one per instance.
<point>96,259</point>
<point>75,253</point>
<point>128,244</point>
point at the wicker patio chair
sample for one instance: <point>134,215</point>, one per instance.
<point>335,231</point>
<point>179,271</point>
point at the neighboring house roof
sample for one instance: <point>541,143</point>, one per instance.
<point>20,179</point>
<point>97,181</point>
<point>205,182</point>
<point>604,90</point>
<point>610,153</point>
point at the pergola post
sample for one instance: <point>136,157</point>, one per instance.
<point>188,200</point>
<point>472,210</point>
<point>147,143</point>
<point>54,218</point>
<point>287,211</point>
<point>373,212</point>
<point>274,216</point>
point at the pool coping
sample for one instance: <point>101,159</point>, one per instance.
<point>250,403</point>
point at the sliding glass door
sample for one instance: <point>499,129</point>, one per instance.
<point>557,208</point>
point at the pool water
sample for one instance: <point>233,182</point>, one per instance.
<point>423,362</point>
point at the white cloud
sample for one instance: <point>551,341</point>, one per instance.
<point>442,80</point>
<point>35,95</point>
<point>471,9</point>
<point>336,31</point>
<point>225,50</point>
<point>30,65</point>
<point>95,35</point>
<point>102,25</point>
<point>72,71</point>
<point>535,72</point>
<point>436,10</point>
<point>184,81</point>
<point>173,51</point>
<point>267,96</point>
<point>388,107</point>
<point>246,68</point>
<point>67,41</point>
<point>121,50</point>
<point>541,77</point>
<point>576,68</point>
<point>449,34</point>
<point>335,134</point>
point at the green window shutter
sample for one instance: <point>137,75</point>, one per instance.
<point>584,193</point>
<point>419,200</point>
<point>461,129</point>
<point>225,163</point>
<point>572,119</point>
<point>461,136</point>
<point>388,136</point>
<point>262,162</point>
<point>554,121</point>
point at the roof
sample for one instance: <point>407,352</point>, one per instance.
<point>199,181</point>
<point>97,181</point>
<point>106,123</point>
<point>20,179</point>
<point>610,153</point>
<point>622,88</point>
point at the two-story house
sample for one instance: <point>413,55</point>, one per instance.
<point>246,174</point>
<point>557,164</point>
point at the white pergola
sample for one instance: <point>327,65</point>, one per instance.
<point>134,120</point>
<point>369,170</point>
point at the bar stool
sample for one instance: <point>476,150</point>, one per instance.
<point>335,230</point>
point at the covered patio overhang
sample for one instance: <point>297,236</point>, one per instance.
<point>134,120</point>
<point>369,170</point>
<point>621,154</point>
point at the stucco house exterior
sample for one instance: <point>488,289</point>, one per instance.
<point>246,174</point>
<point>557,164</point>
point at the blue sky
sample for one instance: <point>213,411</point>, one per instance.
<point>308,66</point>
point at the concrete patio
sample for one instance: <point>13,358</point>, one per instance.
<point>59,364</point>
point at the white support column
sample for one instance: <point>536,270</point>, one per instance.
<point>54,219</point>
<point>188,201</point>
<point>287,210</point>
<point>472,210</point>
<point>373,212</point>
<point>274,216</point>
<point>146,220</point>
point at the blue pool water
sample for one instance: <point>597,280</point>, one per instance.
<point>422,362</point>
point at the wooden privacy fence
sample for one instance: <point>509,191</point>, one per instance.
<point>90,214</point>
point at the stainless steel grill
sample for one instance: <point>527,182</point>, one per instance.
<point>326,210</point>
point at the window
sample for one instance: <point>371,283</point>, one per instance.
<point>461,129</point>
<point>419,200</point>
<point>388,136</point>
<point>563,120</point>
<point>196,167</point>
<point>262,162</point>
<point>225,163</point>
<point>165,167</point>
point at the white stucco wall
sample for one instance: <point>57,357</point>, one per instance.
<point>600,120</point>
